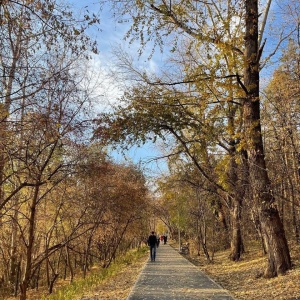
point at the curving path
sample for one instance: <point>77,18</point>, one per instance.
<point>172,277</point>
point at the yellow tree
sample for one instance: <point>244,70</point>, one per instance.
<point>232,37</point>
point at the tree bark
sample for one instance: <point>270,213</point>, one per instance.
<point>272,228</point>
<point>236,196</point>
<point>29,247</point>
<point>236,239</point>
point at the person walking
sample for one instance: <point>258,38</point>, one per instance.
<point>165,239</point>
<point>152,243</point>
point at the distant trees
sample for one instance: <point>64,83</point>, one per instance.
<point>85,214</point>
<point>281,125</point>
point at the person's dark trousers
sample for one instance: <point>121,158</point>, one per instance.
<point>152,252</point>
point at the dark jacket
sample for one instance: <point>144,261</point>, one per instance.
<point>152,240</point>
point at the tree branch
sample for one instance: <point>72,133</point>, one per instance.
<point>191,31</point>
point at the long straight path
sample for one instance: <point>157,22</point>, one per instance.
<point>172,277</point>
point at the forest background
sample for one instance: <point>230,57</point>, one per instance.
<point>215,84</point>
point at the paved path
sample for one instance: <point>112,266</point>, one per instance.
<point>172,277</point>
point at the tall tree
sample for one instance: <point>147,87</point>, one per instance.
<point>279,260</point>
<point>236,35</point>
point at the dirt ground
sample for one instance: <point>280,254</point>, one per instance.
<point>244,279</point>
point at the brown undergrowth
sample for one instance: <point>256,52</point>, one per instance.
<point>118,286</point>
<point>115,285</point>
<point>244,280</point>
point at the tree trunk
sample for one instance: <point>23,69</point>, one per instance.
<point>29,248</point>
<point>202,239</point>
<point>69,263</point>
<point>13,264</point>
<point>16,286</point>
<point>294,183</point>
<point>115,247</point>
<point>272,228</point>
<point>236,194</point>
<point>236,239</point>
<point>223,221</point>
<point>53,279</point>
<point>87,253</point>
<point>279,260</point>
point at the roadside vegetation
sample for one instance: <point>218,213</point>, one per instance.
<point>244,279</point>
<point>113,282</point>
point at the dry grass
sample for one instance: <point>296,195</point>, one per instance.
<point>243,279</point>
<point>114,286</point>
<point>118,286</point>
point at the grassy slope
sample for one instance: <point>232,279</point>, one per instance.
<point>112,283</point>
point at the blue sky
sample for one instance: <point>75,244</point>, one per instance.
<point>110,34</point>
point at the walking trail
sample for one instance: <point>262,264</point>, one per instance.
<point>172,277</point>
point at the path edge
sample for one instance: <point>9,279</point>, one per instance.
<point>137,279</point>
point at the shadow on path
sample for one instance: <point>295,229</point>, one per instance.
<point>172,276</point>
